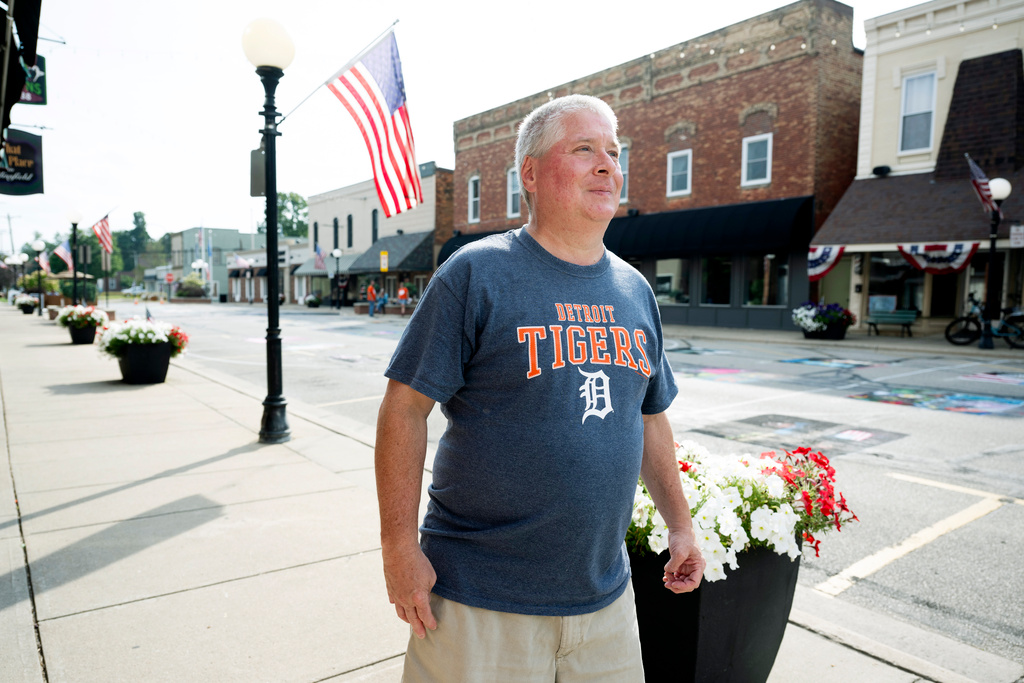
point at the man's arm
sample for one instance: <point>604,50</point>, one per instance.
<point>661,476</point>
<point>400,450</point>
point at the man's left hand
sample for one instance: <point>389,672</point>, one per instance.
<point>686,564</point>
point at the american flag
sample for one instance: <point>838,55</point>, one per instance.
<point>320,255</point>
<point>241,262</point>
<point>43,259</point>
<point>373,92</point>
<point>980,182</point>
<point>64,251</point>
<point>102,230</point>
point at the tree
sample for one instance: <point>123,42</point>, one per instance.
<point>133,242</point>
<point>292,212</point>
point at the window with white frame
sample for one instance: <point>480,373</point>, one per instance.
<point>917,118</point>
<point>757,160</point>
<point>624,166</point>
<point>474,199</point>
<point>678,179</point>
<point>512,193</point>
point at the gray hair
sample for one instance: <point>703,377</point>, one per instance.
<point>543,127</point>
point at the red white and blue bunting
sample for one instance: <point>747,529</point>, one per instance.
<point>820,260</point>
<point>949,257</point>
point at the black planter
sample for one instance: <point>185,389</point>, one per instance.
<point>26,309</point>
<point>83,335</point>
<point>145,363</point>
<point>726,631</point>
<point>830,332</point>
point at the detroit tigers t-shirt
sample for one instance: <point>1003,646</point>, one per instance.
<point>544,369</point>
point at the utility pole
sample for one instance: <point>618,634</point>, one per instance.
<point>10,231</point>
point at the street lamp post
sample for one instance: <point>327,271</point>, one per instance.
<point>38,246</point>
<point>74,218</point>
<point>23,261</point>
<point>337,274</point>
<point>270,50</point>
<point>1000,189</point>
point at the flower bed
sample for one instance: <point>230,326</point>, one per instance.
<point>744,501</point>
<point>78,317</point>
<point>25,300</point>
<point>811,317</point>
<point>117,336</point>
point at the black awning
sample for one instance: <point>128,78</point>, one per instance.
<point>450,247</point>
<point>260,272</point>
<point>779,225</point>
<point>235,273</point>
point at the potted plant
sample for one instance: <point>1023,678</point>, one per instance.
<point>143,348</point>
<point>823,321</point>
<point>81,322</point>
<point>26,303</point>
<point>313,301</point>
<point>752,514</point>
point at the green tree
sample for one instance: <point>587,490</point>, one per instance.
<point>133,242</point>
<point>292,212</point>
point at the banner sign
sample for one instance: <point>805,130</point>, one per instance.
<point>34,91</point>
<point>383,261</point>
<point>25,161</point>
<point>820,260</point>
<point>950,257</point>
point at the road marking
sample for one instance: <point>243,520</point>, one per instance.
<point>351,400</point>
<point>953,487</point>
<point>926,370</point>
<point>872,563</point>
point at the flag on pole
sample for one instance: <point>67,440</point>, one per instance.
<point>373,92</point>
<point>241,262</point>
<point>980,182</point>
<point>64,252</point>
<point>3,266</point>
<point>43,259</point>
<point>149,316</point>
<point>320,255</point>
<point>102,230</point>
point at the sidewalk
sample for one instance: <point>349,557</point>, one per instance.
<point>165,544</point>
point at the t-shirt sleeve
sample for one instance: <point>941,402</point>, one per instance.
<point>434,348</point>
<point>661,390</point>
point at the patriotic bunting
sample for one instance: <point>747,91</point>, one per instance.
<point>939,259</point>
<point>820,260</point>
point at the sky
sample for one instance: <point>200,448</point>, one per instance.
<point>156,109</point>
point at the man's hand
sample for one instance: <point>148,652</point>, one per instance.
<point>409,578</point>
<point>686,564</point>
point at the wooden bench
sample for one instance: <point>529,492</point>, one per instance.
<point>903,318</point>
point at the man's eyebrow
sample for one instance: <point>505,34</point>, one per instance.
<point>593,141</point>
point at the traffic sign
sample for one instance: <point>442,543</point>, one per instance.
<point>169,278</point>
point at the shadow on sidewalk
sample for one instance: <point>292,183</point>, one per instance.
<point>101,387</point>
<point>110,545</point>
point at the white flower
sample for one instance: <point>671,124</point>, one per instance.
<point>760,523</point>
<point>714,571</point>
<point>776,487</point>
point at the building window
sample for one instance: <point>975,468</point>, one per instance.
<point>757,160</point>
<point>513,192</point>
<point>373,229</point>
<point>474,199</point>
<point>716,280</point>
<point>672,284</point>
<point>917,118</point>
<point>349,231</point>
<point>624,165</point>
<point>678,179</point>
<point>767,280</point>
<point>335,232</point>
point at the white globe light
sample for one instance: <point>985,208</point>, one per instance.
<point>266,43</point>
<point>1000,188</point>
<point>336,253</point>
<point>74,216</point>
<point>38,245</point>
<point>23,257</point>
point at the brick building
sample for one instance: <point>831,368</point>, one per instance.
<point>736,146</point>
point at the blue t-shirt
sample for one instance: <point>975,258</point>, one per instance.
<point>544,369</point>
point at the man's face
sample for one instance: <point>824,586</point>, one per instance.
<point>579,177</point>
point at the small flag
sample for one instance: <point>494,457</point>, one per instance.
<point>320,255</point>
<point>373,92</point>
<point>43,259</point>
<point>149,316</point>
<point>64,252</point>
<point>3,266</point>
<point>102,230</point>
<point>241,262</point>
<point>980,182</point>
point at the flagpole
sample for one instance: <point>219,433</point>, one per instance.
<point>343,69</point>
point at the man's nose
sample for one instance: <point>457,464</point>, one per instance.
<point>605,163</point>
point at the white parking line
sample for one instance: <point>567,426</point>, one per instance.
<point>872,563</point>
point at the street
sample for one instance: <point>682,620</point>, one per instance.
<point>928,447</point>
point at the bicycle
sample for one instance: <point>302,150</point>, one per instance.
<point>967,329</point>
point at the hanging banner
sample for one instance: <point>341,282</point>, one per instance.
<point>34,91</point>
<point>24,174</point>
<point>820,260</point>
<point>950,257</point>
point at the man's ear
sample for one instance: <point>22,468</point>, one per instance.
<point>528,175</point>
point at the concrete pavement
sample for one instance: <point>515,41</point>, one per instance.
<point>145,535</point>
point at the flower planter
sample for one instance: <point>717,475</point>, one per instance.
<point>725,631</point>
<point>145,363</point>
<point>830,332</point>
<point>83,335</point>
<point>27,310</point>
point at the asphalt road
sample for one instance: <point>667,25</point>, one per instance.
<point>929,449</point>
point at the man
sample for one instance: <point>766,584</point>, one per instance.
<point>371,296</point>
<point>403,296</point>
<point>555,400</point>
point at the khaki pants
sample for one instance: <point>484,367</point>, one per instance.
<point>474,645</point>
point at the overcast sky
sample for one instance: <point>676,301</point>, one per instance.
<point>154,108</point>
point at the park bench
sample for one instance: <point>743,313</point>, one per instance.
<point>903,318</point>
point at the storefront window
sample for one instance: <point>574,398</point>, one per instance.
<point>767,280</point>
<point>891,275</point>
<point>715,280</point>
<point>673,281</point>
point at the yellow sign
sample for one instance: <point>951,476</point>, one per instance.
<point>383,261</point>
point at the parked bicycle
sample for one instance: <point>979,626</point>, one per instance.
<point>967,329</point>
